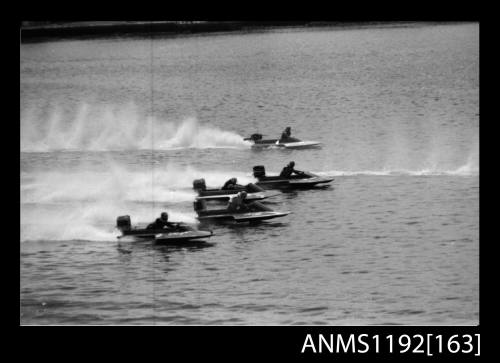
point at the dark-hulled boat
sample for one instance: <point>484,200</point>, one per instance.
<point>181,232</point>
<point>253,212</point>
<point>254,192</point>
<point>302,181</point>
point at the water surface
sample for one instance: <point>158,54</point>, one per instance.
<point>123,126</point>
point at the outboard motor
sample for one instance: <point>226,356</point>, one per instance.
<point>259,171</point>
<point>199,184</point>
<point>199,205</point>
<point>123,223</point>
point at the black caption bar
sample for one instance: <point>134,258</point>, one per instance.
<point>289,343</point>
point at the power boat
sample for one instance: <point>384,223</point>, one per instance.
<point>291,143</point>
<point>252,212</point>
<point>180,232</point>
<point>254,192</point>
<point>302,181</point>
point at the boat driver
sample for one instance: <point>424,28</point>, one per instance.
<point>230,184</point>
<point>237,202</point>
<point>286,135</point>
<point>288,170</point>
<point>162,222</point>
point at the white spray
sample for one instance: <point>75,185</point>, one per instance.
<point>121,127</point>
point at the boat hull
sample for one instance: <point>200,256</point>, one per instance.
<point>182,236</point>
<point>242,217</point>
<point>286,145</point>
<point>226,197</point>
<point>161,235</point>
<point>292,183</point>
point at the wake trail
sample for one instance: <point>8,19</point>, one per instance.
<point>466,171</point>
<point>83,205</point>
<point>117,128</point>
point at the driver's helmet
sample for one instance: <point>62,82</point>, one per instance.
<point>292,163</point>
<point>164,216</point>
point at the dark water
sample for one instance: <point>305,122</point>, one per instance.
<point>112,127</point>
